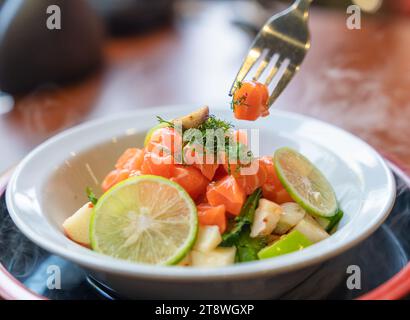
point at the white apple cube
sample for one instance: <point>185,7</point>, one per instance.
<point>266,217</point>
<point>218,257</point>
<point>77,226</point>
<point>291,215</point>
<point>208,238</point>
<point>311,229</point>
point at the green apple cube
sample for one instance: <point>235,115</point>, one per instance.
<point>291,242</point>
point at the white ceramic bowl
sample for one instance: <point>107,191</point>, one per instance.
<point>48,186</point>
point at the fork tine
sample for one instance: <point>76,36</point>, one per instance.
<point>282,83</point>
<point>263,65</point>
<point>249,61</point>
<point>274,70</point>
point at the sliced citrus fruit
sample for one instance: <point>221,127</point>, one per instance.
<point>148,135</point>
<point>329,224</point>
<point>146,219</point>
<point>305,183</point>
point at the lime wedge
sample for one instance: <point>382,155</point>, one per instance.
<point>330,223</point>
<point>293,241</point>
<point>305,183</point>
<point>146,219</point>
<point>148,135</point>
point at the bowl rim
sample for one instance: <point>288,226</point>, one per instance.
<point>287,263</point>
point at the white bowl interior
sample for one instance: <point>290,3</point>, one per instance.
<point>49,185</point>
<point>64,191</point>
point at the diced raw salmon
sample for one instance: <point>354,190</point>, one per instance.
<point>250,100</point>
<point>241,136</point>
<point>272,177</point>
<point>208,170</point>
<point>250,182</point>
<point>227,192</point>
<point>115,176</point>
<point>269,192</point>
<point>220,173</point>
<point>158,165</point>
<point>191,179</point>
<point>248,177</point>
<point>282,196</point>
<point>131,159</point>
<point>273,189</point>
<point>212,215</point>
<point>194,155</point>
<point>165,141</point>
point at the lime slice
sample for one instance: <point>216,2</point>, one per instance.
<point>146,219</point>
<point>151,131</point>
<point>305,183</point>
<point>330,223</point>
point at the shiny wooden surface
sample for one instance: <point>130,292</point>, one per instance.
<point>356,79</point>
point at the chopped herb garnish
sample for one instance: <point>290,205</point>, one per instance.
<point>214,136</point>
<point>245,217</point>
<point>169,123</point>
<point>247,248</point>
<point>238,235</point>
<point>91,196</point>
<point>211,134</point>
<point>213,123</point>
<point>237,102</point>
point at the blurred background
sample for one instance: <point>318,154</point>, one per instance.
<point>110,56</point>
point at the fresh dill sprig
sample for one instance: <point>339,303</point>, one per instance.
<point>238,102</point>
<point>162,120</point>
<point>211,135</point>
<point>214,135</point>
<point>213,123</point>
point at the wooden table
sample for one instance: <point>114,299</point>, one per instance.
<point>356,79</point>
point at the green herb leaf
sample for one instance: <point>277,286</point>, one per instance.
<point>91,196</point>
<point>169,123</point>
<point>247,248</point>
<point>211,134</point>
<point>213,123</point>
<point>244,218</point>
<point>240,101</point>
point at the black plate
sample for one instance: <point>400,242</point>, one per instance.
<point>379,257</point>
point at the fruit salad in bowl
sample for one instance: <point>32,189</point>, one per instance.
<point>242,223</point>
<point>196,194</point>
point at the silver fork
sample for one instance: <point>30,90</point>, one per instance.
<point>284,40</point>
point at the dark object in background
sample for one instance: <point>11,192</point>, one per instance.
<point>134,16</point>
<point>326,3</point>
<point>32,55</point>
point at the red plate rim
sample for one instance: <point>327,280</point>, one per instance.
<point>398,286</point>
<point>10,287</point>
<point>395,288</point>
